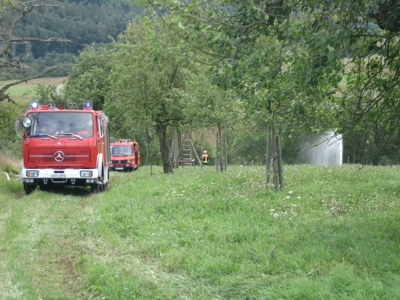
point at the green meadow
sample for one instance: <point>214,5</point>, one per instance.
<point>26,90</point>
<point>332,233</point>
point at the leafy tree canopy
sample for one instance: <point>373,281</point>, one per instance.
<point>333,62</point>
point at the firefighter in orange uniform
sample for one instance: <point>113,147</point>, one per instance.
<point>205,158</point>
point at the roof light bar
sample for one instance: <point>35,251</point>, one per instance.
<point>34,105</point>
<point>88,105</point>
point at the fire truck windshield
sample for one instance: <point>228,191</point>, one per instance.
<point>56,123</point>
<point>121,150</point>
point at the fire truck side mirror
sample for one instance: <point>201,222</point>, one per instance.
<point>16,125</point>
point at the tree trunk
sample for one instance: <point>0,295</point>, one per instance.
<point>221,152</point>
<point>268,157</point>
<point>217,153</point>
<point>280,164</point>
<point>275,158</point>
<point>164,149</point>
<point>149,142</point>
<point>226,152</point>
<point>175,148</point>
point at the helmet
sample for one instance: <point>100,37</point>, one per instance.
<point>205,151</point>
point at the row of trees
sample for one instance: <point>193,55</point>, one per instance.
<point>317,65</point>
<point>146,88</point>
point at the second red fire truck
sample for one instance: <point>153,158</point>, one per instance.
<point>125,155</point>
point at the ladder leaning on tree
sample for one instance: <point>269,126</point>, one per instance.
<point>188,152</point>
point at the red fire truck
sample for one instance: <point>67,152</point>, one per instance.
<point>65,147</point>
<point>125,155</point>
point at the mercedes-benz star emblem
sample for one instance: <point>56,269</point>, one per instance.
<point>59,156</point>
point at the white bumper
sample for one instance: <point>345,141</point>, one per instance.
<point>58,175</point>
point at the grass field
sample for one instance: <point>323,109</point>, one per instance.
<point>332,233</point>
<point>25,90</point>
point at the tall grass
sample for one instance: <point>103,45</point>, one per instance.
<point>333,233</point>
<point>9,164</point>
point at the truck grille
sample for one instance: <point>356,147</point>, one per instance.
<point>59,156</point>
<point>122,161</point>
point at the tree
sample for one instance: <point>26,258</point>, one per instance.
<point>246,54</point>
<point>209,106</point>
<point>148,81</point>
<point>11,14</point>
<point>89,79</point>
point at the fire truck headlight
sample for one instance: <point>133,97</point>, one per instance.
<point>128,161</point>
<point>32,173</point>
<point>26,122</point>
<point>86,173</point>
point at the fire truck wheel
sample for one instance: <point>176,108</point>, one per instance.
<point>95,188</point>
<point>29,188</point>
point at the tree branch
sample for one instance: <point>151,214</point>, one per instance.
<point>41,40</point>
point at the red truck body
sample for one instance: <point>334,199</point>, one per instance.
<point>65,147</point>
<point>125,155</point>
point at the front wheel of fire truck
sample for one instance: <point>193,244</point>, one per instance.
<point>29,188</point>
<point>96,188</point>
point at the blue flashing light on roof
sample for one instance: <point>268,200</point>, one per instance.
<point>88,105</point>
<point>34,105</point>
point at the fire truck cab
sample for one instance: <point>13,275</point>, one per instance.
<point>65,147</point>
<point>125,155</point>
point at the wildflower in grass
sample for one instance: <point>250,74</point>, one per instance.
<point>287,197</point>
<point>290,192</point>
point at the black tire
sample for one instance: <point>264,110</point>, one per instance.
<point>29,188</point>
<point>97,188</point>
<point>94,189</point>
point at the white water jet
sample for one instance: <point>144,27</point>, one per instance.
<point>326,149</point>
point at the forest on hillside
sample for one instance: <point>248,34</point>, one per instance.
<point>82,21</point>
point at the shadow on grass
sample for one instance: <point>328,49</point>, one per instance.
<point>67,190</point>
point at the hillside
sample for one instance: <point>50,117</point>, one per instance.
<point>83,22</point>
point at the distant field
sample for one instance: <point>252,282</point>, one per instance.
<point>25,90</point>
